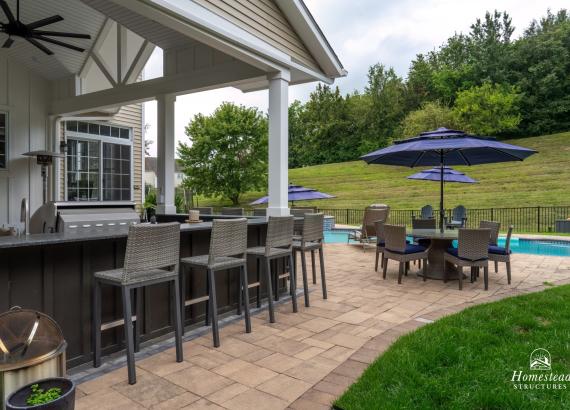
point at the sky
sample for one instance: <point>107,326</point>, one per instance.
<point>362,33</point>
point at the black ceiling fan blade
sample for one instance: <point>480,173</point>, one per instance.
<point>60,34</point>
<point>44,22</point>
<point>7,11</point>
<point>59,43</point>
<point>40,46</point>
<point>8,43</point>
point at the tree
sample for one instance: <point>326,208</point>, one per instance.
<point>228,152</point>
<point>431,116</point>
<point>488,109</point>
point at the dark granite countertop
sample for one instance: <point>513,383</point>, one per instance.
<point>57,238</point>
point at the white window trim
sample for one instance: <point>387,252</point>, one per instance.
<point>81,136</point>
<point>6,141</point>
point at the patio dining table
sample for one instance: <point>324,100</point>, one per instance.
<point>439,242</point>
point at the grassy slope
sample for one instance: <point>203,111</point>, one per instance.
<point>543,179</point>
<point>466,361</point>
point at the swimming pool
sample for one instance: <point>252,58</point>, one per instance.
<point>547,247</point>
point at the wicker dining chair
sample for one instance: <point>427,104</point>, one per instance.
<point>204,210</point>
<point>494,227</point>
<point>429,223</point>
<point>502,254</point>
<point>151,257</point>
<point>380,244</point>
<point>232,211</point>
<point>311,240</point>
<point>278,245</point>
<point>399,250</point>
<point>472,251</point>
<point>228,244</point>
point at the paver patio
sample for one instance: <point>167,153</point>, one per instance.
<point>307,359</point>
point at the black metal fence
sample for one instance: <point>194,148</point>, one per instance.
<point>527,219</point>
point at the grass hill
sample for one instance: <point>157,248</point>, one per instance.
<point>543,179</point>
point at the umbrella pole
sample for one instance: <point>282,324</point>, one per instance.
<point>441,193</point>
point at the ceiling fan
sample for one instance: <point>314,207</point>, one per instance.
<point>30,31</point>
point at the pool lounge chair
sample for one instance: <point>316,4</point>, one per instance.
<point>367,232</point>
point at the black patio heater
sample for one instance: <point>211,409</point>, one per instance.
<point>45,159</point>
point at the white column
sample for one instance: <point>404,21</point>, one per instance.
<point>166,147</point>
<point>278,144</point>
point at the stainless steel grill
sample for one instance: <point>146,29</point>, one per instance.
<point>83,217</point>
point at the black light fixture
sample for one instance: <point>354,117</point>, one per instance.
<point>30,32</point>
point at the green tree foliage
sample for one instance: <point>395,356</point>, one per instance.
<point>430,116</point>
<point>228,152</point>
<point>489,109</point>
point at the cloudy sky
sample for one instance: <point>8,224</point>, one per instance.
<point>363,32</point>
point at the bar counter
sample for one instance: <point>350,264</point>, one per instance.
<point>53,273</point>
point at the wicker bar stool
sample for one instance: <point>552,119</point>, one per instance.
<point>151,257</point>
<point>204,210</point>
<point>311,240</point>
<point>472,251</point>
<point>228,243</point>
<point>232,211</point>
<point>398,249</point>
<point>278,245</point>
<point>502,254</point>
<point>494,227</point>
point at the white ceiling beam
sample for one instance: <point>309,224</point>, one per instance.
<point>191,82</point>
<point>139,62</point>
<point>104,69</point>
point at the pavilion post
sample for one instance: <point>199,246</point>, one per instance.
<point>278,144</point>
<point>166,148</point>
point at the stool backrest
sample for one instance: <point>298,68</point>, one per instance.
<point>151,247</point>
<point>424,223</point>
<point>232,211</point>
<point>229,238</point>
<point>494,227</point>
<point>473,244</point>
<point>279,233</point>
<point>395,237</point>
<point>204,210</point>
<point>260,212</point>
<point>313,227</point>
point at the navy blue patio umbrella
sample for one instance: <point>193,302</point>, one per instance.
<point>297,193</point>
<point>443,147</point>
<point>449,175</point>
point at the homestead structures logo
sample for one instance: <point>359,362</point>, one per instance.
<point>540,376</point>
<point>540,360</point>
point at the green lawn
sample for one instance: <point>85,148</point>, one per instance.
<point>467,360</point>
<point>543,179</point>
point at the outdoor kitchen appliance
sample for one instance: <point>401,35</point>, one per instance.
<point>84,216</point>
<point>32,347</point>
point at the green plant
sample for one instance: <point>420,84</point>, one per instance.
<point>41,396</point>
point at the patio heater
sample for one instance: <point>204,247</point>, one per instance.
<point>45,159</point>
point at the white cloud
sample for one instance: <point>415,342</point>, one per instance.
<point>364,32</point>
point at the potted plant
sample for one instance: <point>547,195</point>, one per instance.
<point>56,393</point>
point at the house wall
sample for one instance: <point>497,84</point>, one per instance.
<point>263,19</point>
<point>25,97</point>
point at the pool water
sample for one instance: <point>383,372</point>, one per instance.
<point>545,247</point>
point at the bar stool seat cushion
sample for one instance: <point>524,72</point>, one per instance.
<point>221,262</point>
<point>499,250</point>
<point>260,251</point>
<point>308,245</point>
<point>116,275</point>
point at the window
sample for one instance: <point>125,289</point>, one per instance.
<point>3,140</point>
<point>99,161</point>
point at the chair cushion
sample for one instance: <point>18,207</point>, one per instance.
<point>260,251</point>
<point>499,250</point>
<point>382,244</point>
<point>411,248</point>
<point>221,262</point>
<point>454,251</point>
<point>116,275</point>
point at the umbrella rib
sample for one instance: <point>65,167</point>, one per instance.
<point>418,159</point>
<point>464,157</point>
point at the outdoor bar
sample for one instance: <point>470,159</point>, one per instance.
<point>53,273</point>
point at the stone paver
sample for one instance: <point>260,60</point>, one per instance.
<point>307,359</point>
